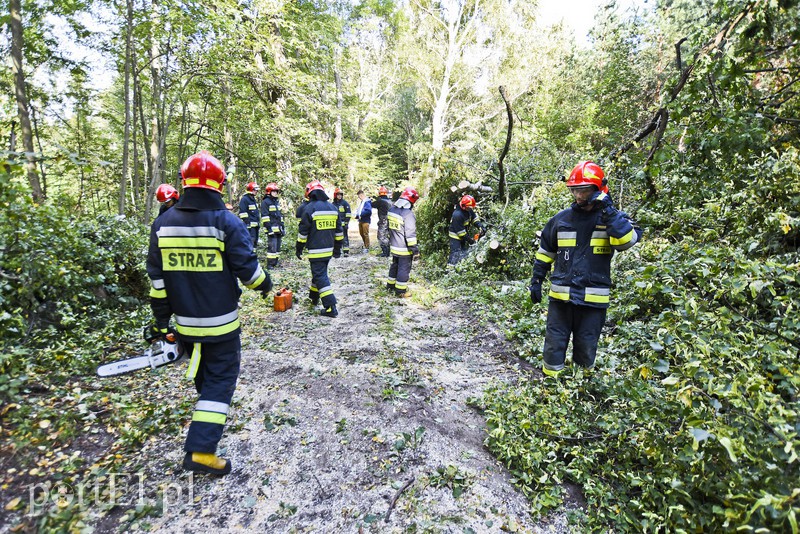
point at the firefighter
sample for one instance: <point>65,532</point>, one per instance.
<point>344,217</point>
<point>580,241</point>
<point>320,232</point>
<point>402,241</point>
<point>462,225</point>
<point>248,212</point>
<point>197,252</point>
<point>167,196</point>
<point>272,220</point>
<point>382,205</point>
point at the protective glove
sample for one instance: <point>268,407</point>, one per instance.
<point>337,249</point>
<point>603,200</point>
<point>155,331</point>
<point>283,231</point>
<point>298,250</point>
<point>337,254</point>
<point>414,253</point>
<point>536,291</point>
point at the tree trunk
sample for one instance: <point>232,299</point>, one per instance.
<point>228,137</point>
<point>17,44</point>
<point>501,189</point>
<point>337,139</point>
<point>125,177</point>
<point>155,106</point>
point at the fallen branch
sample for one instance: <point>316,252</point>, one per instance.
<point>397,496</point>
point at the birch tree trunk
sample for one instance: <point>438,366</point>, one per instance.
<point>17,44</point>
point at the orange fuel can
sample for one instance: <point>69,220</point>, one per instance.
<point>283,300</point>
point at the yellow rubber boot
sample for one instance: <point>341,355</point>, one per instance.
<point>206,462</point>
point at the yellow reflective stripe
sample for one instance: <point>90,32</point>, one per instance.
<point>400,251</point>
<point>550,372</point>
<point>617,241</point>
<point>453,235</point>
<point>567,242</point>
<point>411,242</point>
<point>243,215</point>
<point>320,255</point>
<point>194,363</point>
<point>209,417</point>
<point>257,281</point>
<point>191,242</point>
<point>302,239</point>
<point>401,285</point>
<point>598,299</point>
<point>273,208</point>
<point>158,293</point>
<point>599,242</point>
<point>544,258</point>
<point>559,292</point>
<point>326,293</point>
<point>200,331</point>
<point>196,181</point>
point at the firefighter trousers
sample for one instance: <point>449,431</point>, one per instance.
<point>582,323</point>
<point>321,288</point>
<point>383,236</point>
<point>273,249</point>
<point>399,273</point>
<point>215,382</point>
<point>458,251</point>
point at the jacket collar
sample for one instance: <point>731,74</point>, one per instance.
<point>198,199</point>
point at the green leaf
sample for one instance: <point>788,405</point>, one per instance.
<point>726,442</point>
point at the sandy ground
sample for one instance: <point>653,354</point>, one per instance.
<point>355,424</point>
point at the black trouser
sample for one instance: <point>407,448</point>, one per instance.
<point>273,249</point>
<point>320,283</point>
<point>399,273</point>
<point>383,236</point>
<point>346,240</point>
<point>215,381</point>
<point>458,251</point>
<point>254,236</point>
<point>583,323</point>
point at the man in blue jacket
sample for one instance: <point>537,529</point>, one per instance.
<point>580,241</point>
<point>364,216</point>
<point>198,250</point>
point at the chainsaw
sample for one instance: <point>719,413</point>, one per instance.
<point>162,351</point>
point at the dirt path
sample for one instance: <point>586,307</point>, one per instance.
<point>339,421</point>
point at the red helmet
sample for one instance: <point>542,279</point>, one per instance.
<point>382,191</point>
<point>338,191</point>
<point>203,170</point>
<point>410,194</point>
<point>313,185</point>
<point>467,201</point>
<point>271,187</point>
<point>252,187</point>
<point>166,192</point>
<point>588,173</point>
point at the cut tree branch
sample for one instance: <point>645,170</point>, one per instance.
<point>501,190</point>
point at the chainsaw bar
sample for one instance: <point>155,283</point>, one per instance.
<point>160,353</point>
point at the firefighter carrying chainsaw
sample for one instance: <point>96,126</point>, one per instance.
<point>463,224</point>
<point>198,250</point>
<point>579,243</point>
